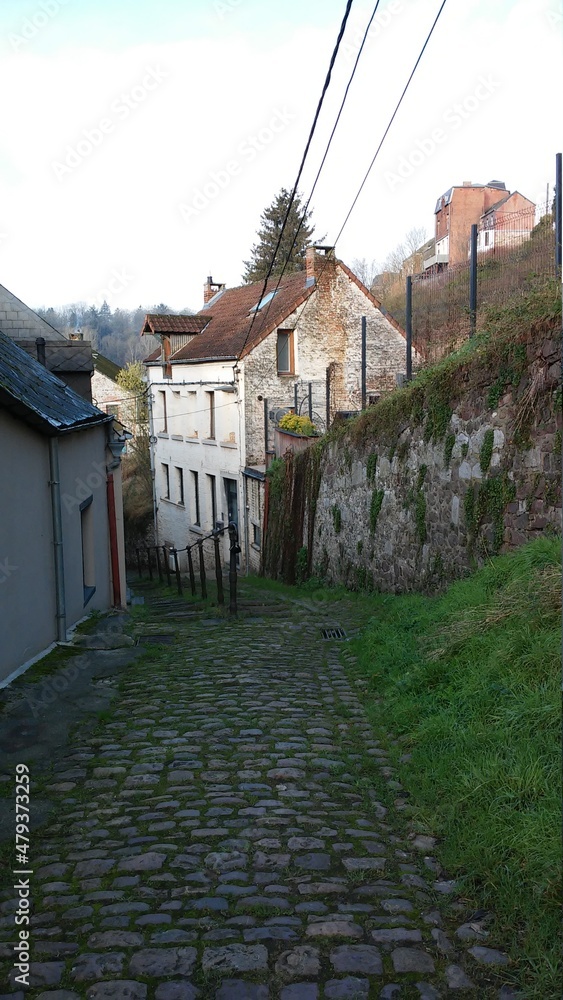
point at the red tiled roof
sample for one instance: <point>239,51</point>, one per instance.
<point>156,323</point>
<point>228,316</point>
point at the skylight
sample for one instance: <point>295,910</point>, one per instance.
<point>264,302</point>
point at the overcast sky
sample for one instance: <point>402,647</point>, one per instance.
<point>141,141</point>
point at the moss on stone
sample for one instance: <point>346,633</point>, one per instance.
<point>486,452</point>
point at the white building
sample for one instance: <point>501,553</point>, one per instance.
<point>220,379</point>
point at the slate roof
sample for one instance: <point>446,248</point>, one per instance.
<point>104,366</point>
<point>34,395</point>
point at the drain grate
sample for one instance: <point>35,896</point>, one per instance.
<point>155,639</point>
<point>333,633</point>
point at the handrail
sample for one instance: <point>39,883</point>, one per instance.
<point>234,550</point>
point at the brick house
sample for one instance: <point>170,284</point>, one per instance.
<point>456,211</point>
<point>221,379</point>
<point>506,224</point>
<point>110,397</point>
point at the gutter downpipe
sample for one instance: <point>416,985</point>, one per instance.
<point>55,484</point>
<point>152,460</point>
<point>116,583</point>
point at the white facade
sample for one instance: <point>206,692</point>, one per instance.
<point>199,454</point>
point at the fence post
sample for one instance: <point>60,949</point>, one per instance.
<point>177,571</point>
<point>327,385</point>
<point>364,355</point>
<point>296,397</point>
<point>266,436</point>
<point>558,214</point>
<point>202,578</point>
<point>311,402</point>
<point>149,561</point>
<point>408,327</point>
<point>160,577</point>
<point>191,571</point>
<point>218,572</point>
<point>166,559</point>
<point>234,551</point>
<point>473,281</point>
<point>139,568</point>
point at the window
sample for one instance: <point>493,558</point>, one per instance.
<point>180,485</point>
<point>112,408</point>
<point>162,412</point>
<point>285,352</point>
<point>211,400</point>
<point>264,302</point>
<point>192,411</point>
<point>213,499</point>
<point>195,480</point>
<point>88,560</point>
<point>165,481</point>
<point>253,503</point>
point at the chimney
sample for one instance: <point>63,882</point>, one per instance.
<point>40,345</point>
<point>467,184</point>
<point>320,263</point>
<point>210,289</point>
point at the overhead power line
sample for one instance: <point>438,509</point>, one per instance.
<point>303,159</point>
<point>328,145</point>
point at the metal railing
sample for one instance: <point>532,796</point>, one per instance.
<point>165,554</point>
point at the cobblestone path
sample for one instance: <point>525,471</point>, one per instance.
<point>221,836</point>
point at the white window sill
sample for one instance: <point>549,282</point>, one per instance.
<point>229,444</point>
<point>163,434</point>
<point>173,503</point>
<point>211,441</point>
<point>177,437</point>
<point>191,439</point>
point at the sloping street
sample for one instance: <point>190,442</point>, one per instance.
<point>230,831</point>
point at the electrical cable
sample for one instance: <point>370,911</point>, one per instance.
<point>303,159</point>
<point>329,143</point>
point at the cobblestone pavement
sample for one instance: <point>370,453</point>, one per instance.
<point>221,836</point>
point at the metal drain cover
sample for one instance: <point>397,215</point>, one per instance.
<point>333,633</point>
<point>155,640</point>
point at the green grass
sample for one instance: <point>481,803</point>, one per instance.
<point>469,684</point>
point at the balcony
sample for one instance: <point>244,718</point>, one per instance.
<point>438,252</point>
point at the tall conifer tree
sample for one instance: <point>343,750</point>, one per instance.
<point>271,222</point>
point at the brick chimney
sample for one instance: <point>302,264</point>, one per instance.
<point>320,263</point>
<point>210,289</point>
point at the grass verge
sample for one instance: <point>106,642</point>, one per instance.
<point>469,684</point>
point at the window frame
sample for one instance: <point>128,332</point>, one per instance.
<point>197,508</point>
<point>165,469</point>
<point>289,334</point>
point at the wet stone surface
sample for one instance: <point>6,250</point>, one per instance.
<point>228,832</point>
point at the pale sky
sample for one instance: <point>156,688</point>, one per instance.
<point>141,141</point>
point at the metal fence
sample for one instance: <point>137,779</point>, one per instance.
<point>508,258</point>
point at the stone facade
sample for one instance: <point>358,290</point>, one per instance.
<point>408,512</point>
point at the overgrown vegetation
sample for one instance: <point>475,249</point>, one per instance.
<point>498,356</point>
<point>469,684</point>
